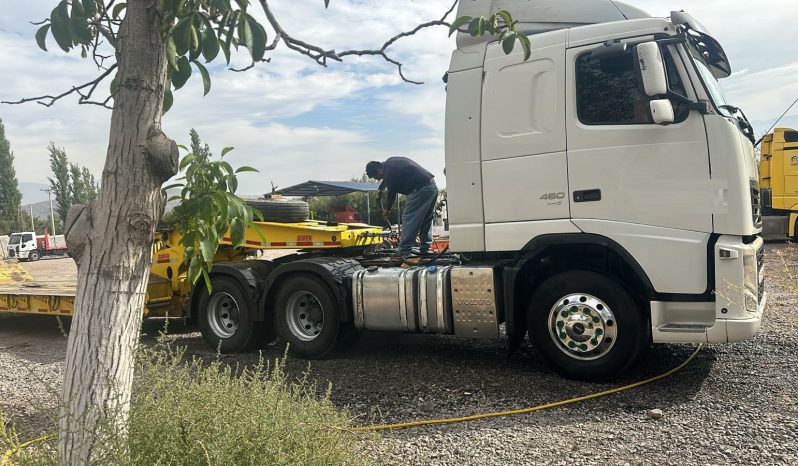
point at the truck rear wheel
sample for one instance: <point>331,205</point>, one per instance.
<point>226,320</point>
<point>586,325</point>
<point>33,256</point>
<point>306,316</point>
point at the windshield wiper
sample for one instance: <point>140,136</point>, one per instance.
<point>745,125</point>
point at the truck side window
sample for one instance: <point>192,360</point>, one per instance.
<point>27,237</point>
<point>608,91</point>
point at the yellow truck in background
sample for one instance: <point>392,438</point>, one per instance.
<point>778,181</point>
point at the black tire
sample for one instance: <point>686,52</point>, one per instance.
<point>236,330</point>
<point>562,324</point>
<point>34,255</point>
<point>306,337</point>
<point>281,210</point>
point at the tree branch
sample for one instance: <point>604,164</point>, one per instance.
<point>49,100</point>
<point>320,55</point>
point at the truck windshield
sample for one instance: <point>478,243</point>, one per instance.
<point>710,83</point>
<point>15,239</point>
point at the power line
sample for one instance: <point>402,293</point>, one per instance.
<point>777,121</point>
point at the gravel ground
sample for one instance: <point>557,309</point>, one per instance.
<point>734,404</point>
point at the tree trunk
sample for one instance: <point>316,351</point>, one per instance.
<point>111,241</point>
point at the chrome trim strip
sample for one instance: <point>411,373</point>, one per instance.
<point>402,300</point>
<point>422,300</point>
<point>439,296</point>
<point>357,284</point>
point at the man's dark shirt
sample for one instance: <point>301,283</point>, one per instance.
<point>403,176</point>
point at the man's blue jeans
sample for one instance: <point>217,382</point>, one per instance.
<point>417,219</point>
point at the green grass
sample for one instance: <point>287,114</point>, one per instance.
<point>201,413</point>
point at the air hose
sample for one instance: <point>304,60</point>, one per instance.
<point>474,417</point>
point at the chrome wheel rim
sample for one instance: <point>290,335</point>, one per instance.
<point>223,315</point>
<point>305,315</point>
<point>582,326</point>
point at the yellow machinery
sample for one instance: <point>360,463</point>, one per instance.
<point>778,181</point>
<point>168,290</point>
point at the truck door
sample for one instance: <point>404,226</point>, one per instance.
<point>524,169</point>
<point>621,166</point>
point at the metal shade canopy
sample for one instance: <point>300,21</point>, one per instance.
<point>327,188</point>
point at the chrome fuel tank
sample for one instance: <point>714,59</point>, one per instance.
<point>416,299</point>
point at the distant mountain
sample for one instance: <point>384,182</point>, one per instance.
<point>32,193</point>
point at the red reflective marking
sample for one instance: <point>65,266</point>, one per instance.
<point>278,244</point>
<point>256,243</point>
<point>332,243</point>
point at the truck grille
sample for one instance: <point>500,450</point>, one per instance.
<point>756,203</point>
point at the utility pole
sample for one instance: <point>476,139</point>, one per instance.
<point>52,216</point>
<point>32,227</point>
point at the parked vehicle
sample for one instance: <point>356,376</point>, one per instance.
<point>602,194</point>
<point>778,177</point>
<point>26,246</point>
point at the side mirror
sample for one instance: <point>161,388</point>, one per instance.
<point>661,111</point>
<point>652,69</point>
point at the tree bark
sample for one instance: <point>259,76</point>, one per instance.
<point>111,240</point>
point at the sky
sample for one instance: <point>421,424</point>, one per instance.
<point>294,120</point>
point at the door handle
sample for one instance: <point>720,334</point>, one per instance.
<point>588,195</point>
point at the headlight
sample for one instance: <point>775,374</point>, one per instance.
<point>750,272</point>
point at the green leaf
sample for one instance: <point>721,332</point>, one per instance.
<point>245,32</point>
<point>226,167</point>
<point>206,78</point>
<point>79,28</point>
<point>89,8</point>
<point>172,186</point>
<point>168,100</point>
<point>506,17</point>
<point>182,35</point>
<point>77,9</point>
<point>59,20</point>
<point>226,150</point>
<point>118,9</point>
<point>186,160</point>
<point>208,249</point>
<point>246,169</point>
<point>210,45</point>
<point>182,74</point>
<point>237,230</point>
<point>526,45</point>
<point>41,36</point>
<point>207,279</point>
<point>232,183</point>
<point>459,22</point>
<point>171,53</point>
<point>194,42</point>
<point>509,43</point>
<point>259,39</point>
<point>194,268</point>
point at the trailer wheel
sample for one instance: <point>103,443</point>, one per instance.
<point>225,319</point>
<point>33,256</point>
<point>306,316</point>
<point>586,325</point>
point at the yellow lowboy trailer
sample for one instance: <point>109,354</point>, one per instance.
<point>169,292</point>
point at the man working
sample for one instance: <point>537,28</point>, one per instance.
<point>400,175</point>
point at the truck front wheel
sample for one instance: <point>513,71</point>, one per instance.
<point>306,316</point>
<point>586,325</point>
<point>226,320</point>
<point>33,256</point>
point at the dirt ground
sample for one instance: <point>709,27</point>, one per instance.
<point>733,404</point>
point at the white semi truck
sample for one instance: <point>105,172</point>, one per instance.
<point>602,195</point>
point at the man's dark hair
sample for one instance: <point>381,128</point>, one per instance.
<point>372,167</point>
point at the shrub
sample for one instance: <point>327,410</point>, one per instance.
<point>201,413</point>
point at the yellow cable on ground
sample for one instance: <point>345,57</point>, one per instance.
<point>452,420</point>
<point>6,458</point>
